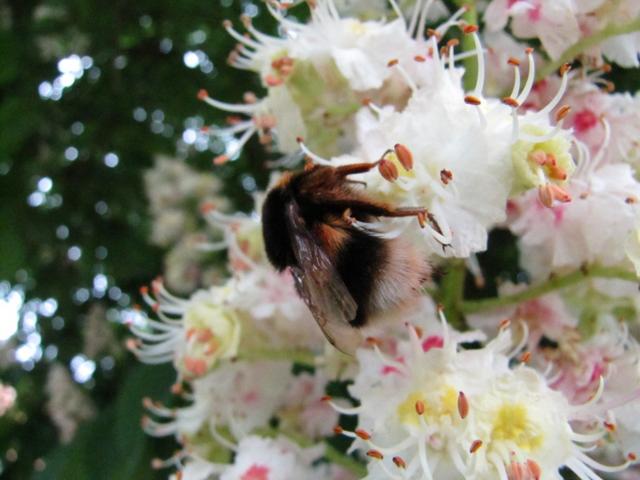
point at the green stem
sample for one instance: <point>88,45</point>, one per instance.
<point>467,44</point>
<point>452,293</point>
<point>587,42</point>
<point>337,457</point>
<point>554,283</point>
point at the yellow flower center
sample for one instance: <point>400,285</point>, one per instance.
<point>512,424</point>
<point>435,406</point>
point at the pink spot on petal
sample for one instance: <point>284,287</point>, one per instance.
<point>434,341</point>
<point>598,371</point>
<point>387,369</point>
<point>540,85</point>
<point>558,214</point>
<point>535,13</point>
<point>250,397</point>
<point>256,472</point>
<point>584,120</point>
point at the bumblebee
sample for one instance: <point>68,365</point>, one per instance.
<point>347,274</point>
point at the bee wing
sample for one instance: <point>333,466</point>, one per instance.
<point>321,287</point>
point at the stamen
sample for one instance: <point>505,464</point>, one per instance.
<point>395,64</point>
<point>472,100</point>
<point>399,462</point>
<point>388,170</point>
<point>443,322</point>
<point>228,107</point>
<point>477,91</point>
<point>374,108</point>
<point>586,438</point>
<point>475,446</point>
<point>273,81</point>
<point>424,461</point>
<point>597,160</point>
<point>453,20</point>
<point>228,26</point>
<point>414,17</point>
<point>446,176</point>
<point>530,77</point>
<point>398,12</point>
<point>523,340</point>
<point>220,160</point>
<point>404,156</point>
<point>236,147</point>
<point>467,54</point>
<point>510,101</point>
<point>476,271</point>
<point>218,437</point>
<point>562,112</point>
<point>525,357</point>
<point>423,20</point>
<point>463,405</point>
<point>550,192</point>
<point>560,93</point>
<point>315,158</point>
<point>590,462</point>
<point>344,410</point>
<point>375,454</point>
<point>262,37</point>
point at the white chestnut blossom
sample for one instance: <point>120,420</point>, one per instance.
<point>559,24</point>
<point>474,154</point>
<point>593,228</point>
<point>590,107</point>
<point>450,413</point>
<point>67,405</point>
<point>195,334</point>
<point>315,74</point>
<point>304,410</point>
<point>172,188</point>
<point>273,459</point>
<point>227,404</point>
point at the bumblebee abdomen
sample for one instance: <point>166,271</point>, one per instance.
<point>359,263</point>
<point>381,275</point>
<point>275,230</point>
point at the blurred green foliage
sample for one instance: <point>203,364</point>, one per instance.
<point>132,102</point>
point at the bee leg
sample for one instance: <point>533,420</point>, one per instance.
<point>355,168</point>
<point>422,214</point>
<point>357,182</point>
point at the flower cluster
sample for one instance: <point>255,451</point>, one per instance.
<point>486,136</point>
